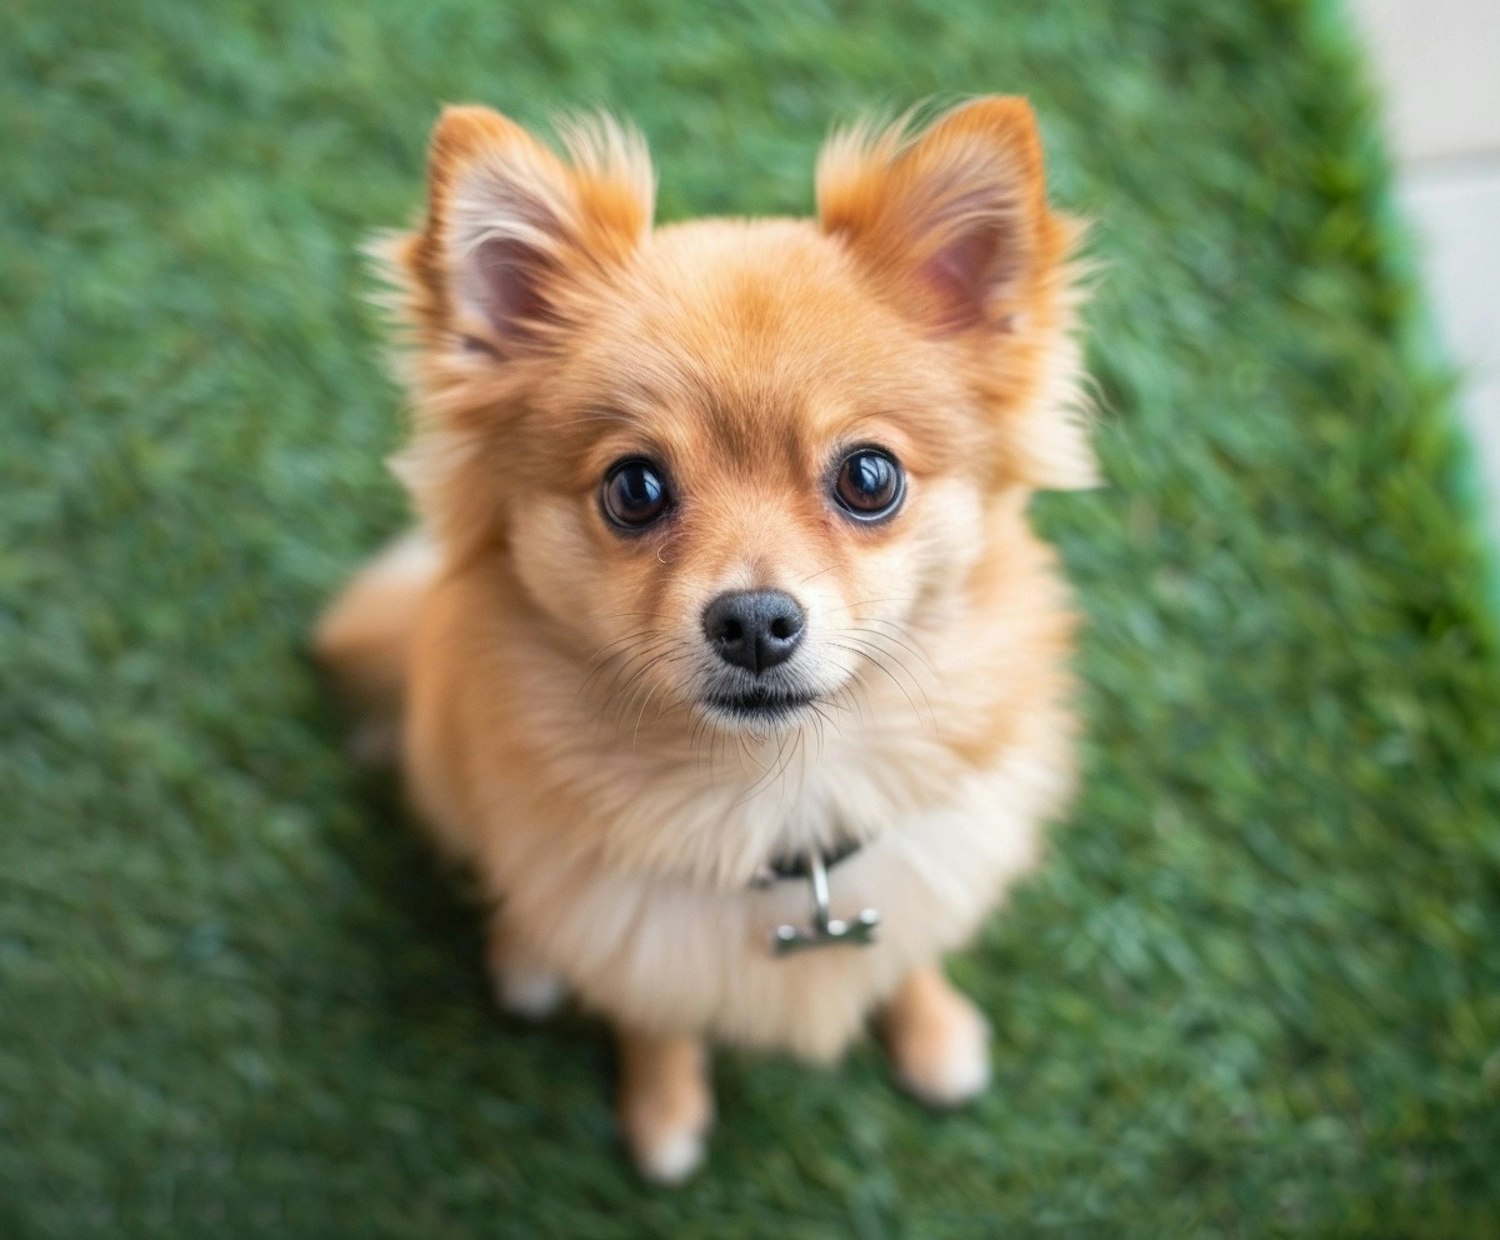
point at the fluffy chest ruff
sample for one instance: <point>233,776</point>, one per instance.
<point>664,953</point>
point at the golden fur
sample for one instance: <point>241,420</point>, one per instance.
<point>545,671</point>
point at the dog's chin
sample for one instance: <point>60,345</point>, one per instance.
<point>759,710</point>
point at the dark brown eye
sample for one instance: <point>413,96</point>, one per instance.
<point>634,494</point>
<point>869,484</point>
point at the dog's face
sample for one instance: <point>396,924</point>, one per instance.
<point>732,464</point>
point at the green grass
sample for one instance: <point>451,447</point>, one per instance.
<point>1255,991</point>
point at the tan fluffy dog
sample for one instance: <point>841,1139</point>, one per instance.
<point>724,570</point>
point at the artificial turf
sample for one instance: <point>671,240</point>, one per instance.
<point>1256,989</point>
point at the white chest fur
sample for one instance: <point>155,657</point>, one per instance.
<point>672,952</point>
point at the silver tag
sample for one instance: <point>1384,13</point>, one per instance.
<point>825,931</point>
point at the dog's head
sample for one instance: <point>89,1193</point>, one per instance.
<point>736,460</point>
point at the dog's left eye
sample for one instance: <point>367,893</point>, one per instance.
<point>634,494</point>
<point>869,484</point>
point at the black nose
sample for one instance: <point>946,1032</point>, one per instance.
<point>754,629</point>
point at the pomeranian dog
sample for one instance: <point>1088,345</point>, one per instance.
<point>724,653</point>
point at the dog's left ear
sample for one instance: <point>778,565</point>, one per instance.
<point>952,229</point>
<point>952,222</point>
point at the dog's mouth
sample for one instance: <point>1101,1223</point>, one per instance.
<point>760,706</point>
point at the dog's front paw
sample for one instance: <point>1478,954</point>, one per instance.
<point>666,1105</point>
<point>531,994</point>
<point>523,986</point>
<point>937,1041</point>
<point>664,1153</point>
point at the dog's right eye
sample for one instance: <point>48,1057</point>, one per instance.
<point>634,494</point>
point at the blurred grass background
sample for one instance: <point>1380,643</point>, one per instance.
<point>1257,989</point>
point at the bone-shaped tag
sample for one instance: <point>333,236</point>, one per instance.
<point>825,931</point>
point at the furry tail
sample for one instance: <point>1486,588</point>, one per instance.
<point>364,639</point>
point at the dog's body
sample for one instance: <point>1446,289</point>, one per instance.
<point>617,761</point>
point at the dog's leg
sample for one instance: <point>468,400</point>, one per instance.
<point>523,985</point>
<point>937,1041</point>
<point>666,1105</point>
<point>365,638</point>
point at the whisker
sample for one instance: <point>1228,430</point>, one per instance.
<point>870,602</point>
<point>926,662</point>
<point>635,740</point>
<point>633,688</point>
<point>621,671</point>
<point>873,657</point>
<point>791,757</point>
<point>631,670</point>
<point>765,778</point>
<point>604,651</point>
<point>814,576</point>
<point>901,664</point>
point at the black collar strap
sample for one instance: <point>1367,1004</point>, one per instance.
<point>794,865</point>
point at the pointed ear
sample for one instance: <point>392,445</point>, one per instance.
<point>950,222</point>
<point>513,232</point>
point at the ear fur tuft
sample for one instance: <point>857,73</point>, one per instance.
<point>511,227</point>
<point>951,219</point>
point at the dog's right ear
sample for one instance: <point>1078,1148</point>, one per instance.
<point>514,236</point>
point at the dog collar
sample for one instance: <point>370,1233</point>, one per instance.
<point>825,930</point>
<point>798,865</point>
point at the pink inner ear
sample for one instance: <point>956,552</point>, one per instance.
<point>966,273</point>
<point>511,278</point>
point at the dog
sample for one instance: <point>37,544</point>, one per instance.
<point>723,652</point>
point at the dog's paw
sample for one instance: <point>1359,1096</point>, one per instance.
<point>523,985</point>
<point>668,1157</point>
<point>939,1047</point>
<point>666,1107</point>
<point>530,993</point>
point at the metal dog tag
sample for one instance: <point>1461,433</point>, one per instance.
<point>825,931</point>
